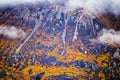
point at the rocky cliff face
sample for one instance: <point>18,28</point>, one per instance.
<point>57,45</point>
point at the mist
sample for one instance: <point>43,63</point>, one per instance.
<point>108,37</point>
<point>93,6</point>
<point>17,2</point>
<point>11,32</point>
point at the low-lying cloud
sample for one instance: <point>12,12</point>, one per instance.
<point>108,36</point>
<point>15,2</point>
<point>12,32</point>
<point>94,6</point>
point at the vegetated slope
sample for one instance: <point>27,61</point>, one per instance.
<point>57,45</point>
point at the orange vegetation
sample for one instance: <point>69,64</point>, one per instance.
<point>56,71</point>
<point>48,41</point>
<point>71,56</point>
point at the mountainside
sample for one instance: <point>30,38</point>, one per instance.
<point>57,45</point>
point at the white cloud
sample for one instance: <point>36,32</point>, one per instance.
<point>12,32</point>
<point>15,2</point>
<point>94,6</point>
<point>108,36</point>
